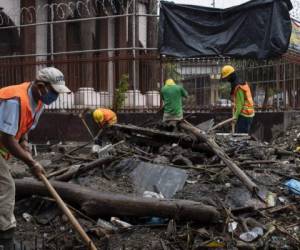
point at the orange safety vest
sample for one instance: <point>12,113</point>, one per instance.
<point>110,116</point>
<point>20,93</point>
<point>248,107</point>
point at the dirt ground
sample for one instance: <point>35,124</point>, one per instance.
<point>41,225</point>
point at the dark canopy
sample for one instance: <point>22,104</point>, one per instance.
<point>258,29</point>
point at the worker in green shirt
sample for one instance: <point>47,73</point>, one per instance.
<point>243,105</point>
<point>172,95</point>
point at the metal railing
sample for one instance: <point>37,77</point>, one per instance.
<point>61,30</point>
<point>96,43</point>
<point>274,83</point>
<point>94,80</point>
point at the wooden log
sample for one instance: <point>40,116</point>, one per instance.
<point>248,162</point>
<point>157,138</point>
<point>149,132</point>
<point>252,187</point>
<point>142,140</point>
<point>96,203</point>
<point>283,152</point>
<point>256,162</point>
<point>79,169</point>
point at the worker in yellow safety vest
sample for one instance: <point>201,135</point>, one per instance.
<point>243,105</point>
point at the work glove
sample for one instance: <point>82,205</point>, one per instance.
<point>37,169</point>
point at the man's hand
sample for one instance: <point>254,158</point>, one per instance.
<point>37,169</point>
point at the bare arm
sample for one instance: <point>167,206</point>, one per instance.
<point>13,146</point>
<point>24,143</point>
<point>24,138</point>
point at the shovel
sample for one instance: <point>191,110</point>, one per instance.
<point>85,124</point>
<point>208,125</point>
<point>222,123</point>
<point>68,213</point>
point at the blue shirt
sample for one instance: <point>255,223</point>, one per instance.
<point>10,111</point>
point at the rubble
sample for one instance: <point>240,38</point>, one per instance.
<point>117,196</point>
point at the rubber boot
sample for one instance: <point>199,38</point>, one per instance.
<point>7,239</point>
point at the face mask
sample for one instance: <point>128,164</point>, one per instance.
<point>49,97</point>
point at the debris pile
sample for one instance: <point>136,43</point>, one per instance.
<point>151,188</point>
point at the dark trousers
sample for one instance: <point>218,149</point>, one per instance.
<point>243,124</point>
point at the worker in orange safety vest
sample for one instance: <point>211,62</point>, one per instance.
<point>243,105</point>
<point>20,108</point>
<point>104,116</point>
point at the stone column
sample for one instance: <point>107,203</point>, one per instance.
<point>153,65</point>
<point>28,43</point>
<point>87,37</point>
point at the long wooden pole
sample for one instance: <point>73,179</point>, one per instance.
<point>222,123</point>
<point>87,127</point>
<point>68,213</point>
<point>252,187</point>
<point>232,124</point>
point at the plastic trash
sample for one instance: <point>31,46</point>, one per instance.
<point>258,230</point>
<point>282,199</point>
<point>95,148</point>
<point>154,220</point>
<point>293,186</point>
<point>252,235</point>
<point>232,226</point>
<point>104,151</point>
<point>216,244</point>
<point>119,222</point>
<point>297,150</point>
<point>228,185</point>
<point>191,182</point>
<point>101,151</point>
<point>106,225</point>
<point>27,217</point>
<point>150,194</point>
<point>271,199</point>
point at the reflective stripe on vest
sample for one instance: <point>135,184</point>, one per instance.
<point>248,107</point>
<point>20,93</point>
<point>4,153</point>
<point>109,116</point>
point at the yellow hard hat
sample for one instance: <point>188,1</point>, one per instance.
<point>98,116</point>
<point>226,71</point>
<point>170,81</point>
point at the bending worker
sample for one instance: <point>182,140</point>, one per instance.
<point>172,95</point>
<point>104,117</point>
<point>243,105</point>
<point>20,108</point>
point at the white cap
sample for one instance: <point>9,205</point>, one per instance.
<point>55,77</point>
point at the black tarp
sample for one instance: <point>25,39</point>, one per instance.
<point>258,29</point>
